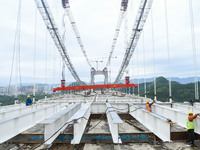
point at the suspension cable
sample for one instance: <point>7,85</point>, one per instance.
<point>63,38</point>
<point>15,43</point>
<point>117,30</point>
<point>125,29</point>
<point>142,15</point>
<point>35,36</point>
<point>126,38</point>
<point>168,52</point>
<point>133,78</point>
<point>122,14</point>
<point>17,49</point>
<point>61,64</point>
<point>55,35</point>
<point>16,71</point>
<point>153,47</point>
<point>68,12</point>
<point>138,74</point>
<point>124,5</point>
<point>54,65</point>
<point>46,66</point>
<point>19,52</point>
<point>63,71</point>
<point>145,88</point>
<point>194,50</point>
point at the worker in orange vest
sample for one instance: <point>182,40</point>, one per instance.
<point>148,106</point>
<point>191,127</point>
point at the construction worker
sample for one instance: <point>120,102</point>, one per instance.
<point>29,101</point>
<point>190,127</point>
<point>148,106</point>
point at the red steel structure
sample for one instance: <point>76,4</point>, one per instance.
<point>86,87</point>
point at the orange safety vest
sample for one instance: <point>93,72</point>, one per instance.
<point>148,108</point>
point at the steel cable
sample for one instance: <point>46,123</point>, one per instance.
<point>116,34</point>
<point>68,12</point>
<point>143,43</point>
<point>153,48</point>
<point>34,67</point>
<point>194,50</point>
<point>168,51</point>
<point>138,80</point>
<point>16,41</point>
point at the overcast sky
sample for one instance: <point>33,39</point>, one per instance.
<point>96,21</point>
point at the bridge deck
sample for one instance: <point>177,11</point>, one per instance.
<point>130,130</point>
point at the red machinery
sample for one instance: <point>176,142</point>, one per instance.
<point>86,87</point>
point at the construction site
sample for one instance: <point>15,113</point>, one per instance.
<point>98,121</point>
<point>85,115</point>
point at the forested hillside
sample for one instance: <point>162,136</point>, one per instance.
<point>180,92</point>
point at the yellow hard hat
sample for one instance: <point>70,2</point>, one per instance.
<point>190,112</point>
<point>147,101</point>
<point>28,96</point>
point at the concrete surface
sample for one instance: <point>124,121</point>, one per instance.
<point>102,127</point>
<point>143,146</point>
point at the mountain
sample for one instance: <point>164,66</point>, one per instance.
<point>184,80</point>
<point>180,92</point>
<point>177,79</point>
<point>141,80</point>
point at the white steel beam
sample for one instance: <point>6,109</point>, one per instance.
<point>55,124</point>
<point>18,110</point>
<point>155,123</point>
<point>80,121</point>
<point>122,107</point>
<point>4,108</point>
<point>197,105</point>
<point>176,115</point>
<point>13,125</point>
<point>186,108</point>
<point>113,121</point>
<point>98,107</point>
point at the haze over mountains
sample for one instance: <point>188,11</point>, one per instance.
<point>177,79</point>
<point>141,80</point>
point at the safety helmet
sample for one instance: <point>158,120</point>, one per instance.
<point>28,96</point>
<point>190,112</point>
<point>147,101</point>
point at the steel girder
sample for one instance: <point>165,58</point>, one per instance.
<point>16,124</point>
